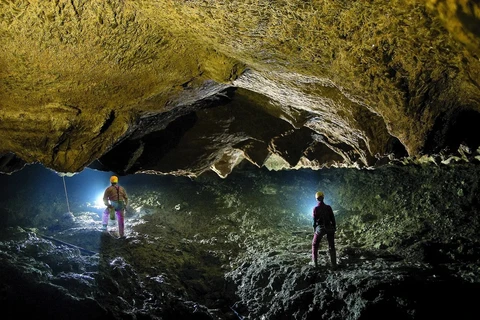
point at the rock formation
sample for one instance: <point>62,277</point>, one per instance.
<point>183,87</point>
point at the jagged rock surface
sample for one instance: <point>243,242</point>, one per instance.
<point>211,248</point>
<point>182,87</point>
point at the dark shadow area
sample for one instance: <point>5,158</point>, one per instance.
<point>108,122</point>
<point>126,156</point>
<point>153,136</point>
<point>9,163</point>
<point>451,130</point>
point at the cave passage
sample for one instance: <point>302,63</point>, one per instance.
<point>212,248</point>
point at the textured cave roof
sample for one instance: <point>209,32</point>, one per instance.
<point>183,87</point>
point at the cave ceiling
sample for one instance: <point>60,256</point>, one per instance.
<point>184,87</point>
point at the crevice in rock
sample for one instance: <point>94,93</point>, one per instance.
<point>108,122</point>
<point>62,140</point>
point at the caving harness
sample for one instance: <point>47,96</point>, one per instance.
<point>118,205</point>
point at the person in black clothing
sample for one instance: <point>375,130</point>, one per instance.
<point>323,224</point>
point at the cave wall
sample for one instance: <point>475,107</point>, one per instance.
<point>392,207</point>
<point>78,77</point>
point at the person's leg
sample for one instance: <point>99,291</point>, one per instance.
<point>105,216</point>
<point>331,249</point>
<point>121,222</point>
<point>315,244</point>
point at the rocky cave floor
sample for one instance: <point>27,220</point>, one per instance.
<point>238,248</point>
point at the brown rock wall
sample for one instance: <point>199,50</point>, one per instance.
<point>77,77</point>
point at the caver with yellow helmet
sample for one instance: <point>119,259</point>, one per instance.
<point>319,194</point>
<point>323,224</point>
<point>116,199</point>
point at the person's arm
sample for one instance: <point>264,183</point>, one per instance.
<point>332,218</point>
<point>314,220</point>
<point>105,197</point>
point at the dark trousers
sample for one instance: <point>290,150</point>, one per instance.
<point>317,237</point>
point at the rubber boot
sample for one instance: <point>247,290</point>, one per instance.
<point>316,263</point>
<point>333,259</point>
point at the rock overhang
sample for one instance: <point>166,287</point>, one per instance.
<point>180,88</point>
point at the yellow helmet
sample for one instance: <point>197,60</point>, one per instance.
<point>113,179</point>
<point>319,194</point>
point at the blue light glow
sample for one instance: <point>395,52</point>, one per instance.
<point>99,201</point>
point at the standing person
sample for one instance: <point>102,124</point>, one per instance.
<point>116,200</point>
<point>323,224</point>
